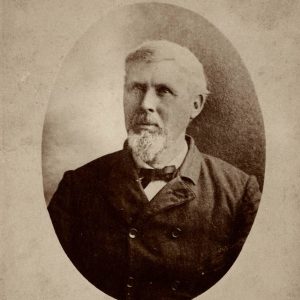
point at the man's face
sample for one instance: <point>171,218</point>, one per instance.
<point>157,99</point>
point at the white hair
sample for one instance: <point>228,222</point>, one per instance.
<point>159,50</point>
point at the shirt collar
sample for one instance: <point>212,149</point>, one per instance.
<point>191,165</point>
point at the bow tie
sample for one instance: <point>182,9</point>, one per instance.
<point>165,174</point>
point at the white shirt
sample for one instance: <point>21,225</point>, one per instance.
<point>155,186</point>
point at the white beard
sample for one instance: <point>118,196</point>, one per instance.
<point>147,145</point>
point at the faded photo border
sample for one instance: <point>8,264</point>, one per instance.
<point>37,37</point>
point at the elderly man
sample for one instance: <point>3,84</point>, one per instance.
<point>158,219</point>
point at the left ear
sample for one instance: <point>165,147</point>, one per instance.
<point>197,106</point>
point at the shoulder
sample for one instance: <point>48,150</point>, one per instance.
<point>225,177</point>
<point>220,168</point>
<point>97,168</point>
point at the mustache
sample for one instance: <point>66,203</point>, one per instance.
<point>145,119</point>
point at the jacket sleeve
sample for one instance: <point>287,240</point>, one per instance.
<point>62,210</point>
<point>245,214</point>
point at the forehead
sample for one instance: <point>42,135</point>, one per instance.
<point>161,72</point>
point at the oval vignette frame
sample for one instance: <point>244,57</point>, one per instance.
<point>85,114</point>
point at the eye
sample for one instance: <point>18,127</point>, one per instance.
<point>163,90</point>
<point>138,87</point>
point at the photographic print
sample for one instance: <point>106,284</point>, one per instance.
<point>150,150</point>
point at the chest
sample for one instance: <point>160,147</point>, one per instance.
<point>175,226</point>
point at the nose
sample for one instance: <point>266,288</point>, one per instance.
<point>149,101</point>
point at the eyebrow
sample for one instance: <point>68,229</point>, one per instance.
<point>135,83</point>
<point>156,85</point>
<point>167,86</point>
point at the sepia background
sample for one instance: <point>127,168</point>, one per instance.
<point>38,37</point>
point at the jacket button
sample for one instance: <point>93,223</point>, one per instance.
<point>175,285</point>
<point>132,233</point>
<point>130,282</point>
<point>176,233</point>
<point>155,249</point>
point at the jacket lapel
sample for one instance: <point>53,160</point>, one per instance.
<point>124,191</point>
<point>173,194</point>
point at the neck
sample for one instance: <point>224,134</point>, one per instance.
<point>169,153</point>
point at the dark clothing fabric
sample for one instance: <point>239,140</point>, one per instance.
<point>174,247</point>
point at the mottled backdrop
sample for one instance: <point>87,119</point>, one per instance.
<point>85,113</point>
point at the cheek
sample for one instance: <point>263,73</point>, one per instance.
<point>180,122</point>
<point>130,106</point>
<point>175,116</point>
<point>128,114</point>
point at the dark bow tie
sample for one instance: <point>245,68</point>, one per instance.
<point>165,174</point>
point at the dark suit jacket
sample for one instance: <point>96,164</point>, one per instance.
<point>174,247</point>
